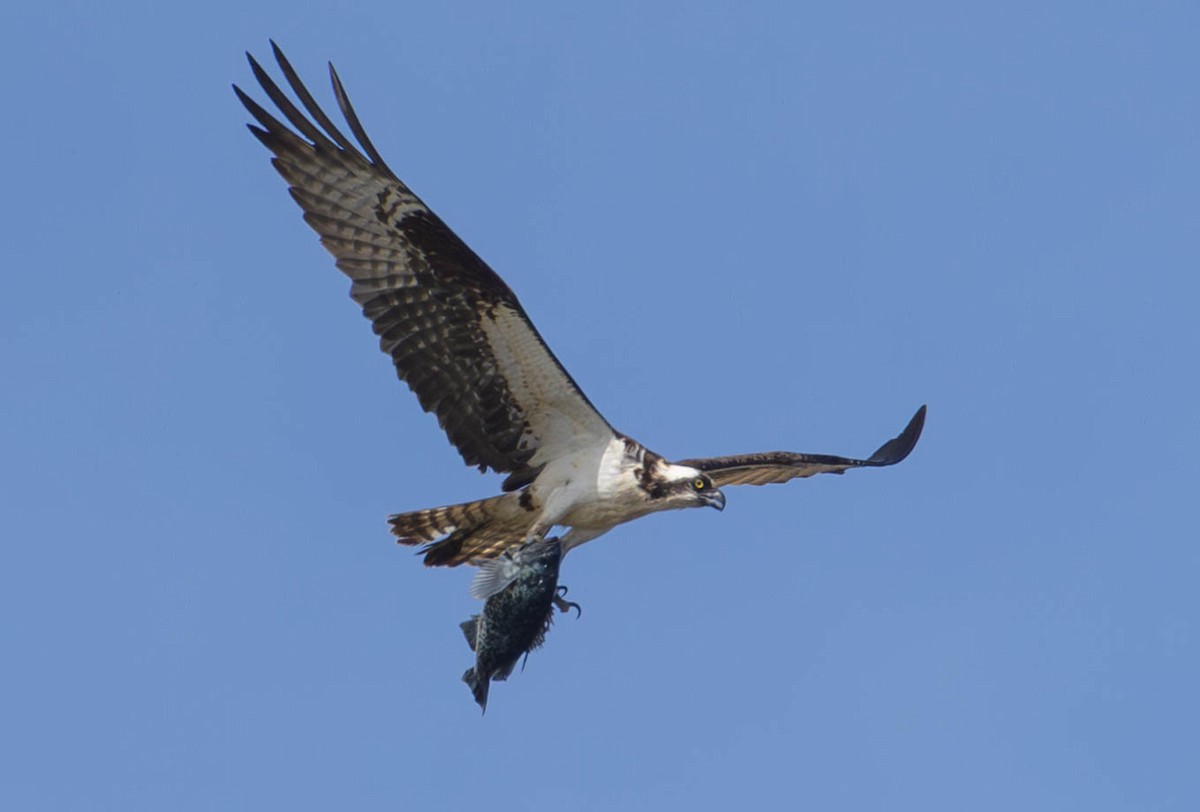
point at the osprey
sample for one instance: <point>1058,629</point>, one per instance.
<point>464,345</point>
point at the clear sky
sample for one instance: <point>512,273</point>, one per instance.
<point>742,227</point>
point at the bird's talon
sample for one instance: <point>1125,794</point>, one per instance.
<point>565,606</point>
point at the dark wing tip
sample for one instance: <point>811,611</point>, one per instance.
<point>896,449</point>
<point>356,127</point>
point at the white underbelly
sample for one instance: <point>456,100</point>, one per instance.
<point>603,514</point>
<point>593,491</point>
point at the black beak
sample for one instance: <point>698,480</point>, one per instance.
<point>716,499</point>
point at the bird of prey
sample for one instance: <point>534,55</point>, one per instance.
<point>463,343</point>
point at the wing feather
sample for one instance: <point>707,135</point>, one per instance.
<point>456,332</point>
<point>781,466</point>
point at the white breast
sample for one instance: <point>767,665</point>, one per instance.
<point>607,492</point>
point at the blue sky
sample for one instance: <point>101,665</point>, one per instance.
<point>742,227</point>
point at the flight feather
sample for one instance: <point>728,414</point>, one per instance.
<point>773,467</point>
<point>455,331</point>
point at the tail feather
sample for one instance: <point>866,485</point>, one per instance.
<point>429,525</point>
<point>457,534</point>
<point>469,547</point>
<point>479,687</point>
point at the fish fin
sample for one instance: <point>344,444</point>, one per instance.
<point>479,687</point>
<point>470,630</point>
<point>493,576</point>
<point>505,670</point>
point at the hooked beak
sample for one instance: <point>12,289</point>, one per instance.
<point>716,499</point>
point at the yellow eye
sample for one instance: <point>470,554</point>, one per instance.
<point>699,484</point>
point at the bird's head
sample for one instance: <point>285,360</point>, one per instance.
<point>683,486</point>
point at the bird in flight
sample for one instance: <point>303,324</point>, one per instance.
<point>463,343</point>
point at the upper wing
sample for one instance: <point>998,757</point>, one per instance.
<point>456,333</point>
<point>780,466</point>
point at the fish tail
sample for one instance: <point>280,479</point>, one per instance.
<point>479,687</point>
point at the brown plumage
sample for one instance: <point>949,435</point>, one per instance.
<point>429,297</point>
<point>773,467</point>
<point>468,532</point>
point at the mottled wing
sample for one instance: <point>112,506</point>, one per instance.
<point>780,466</point>
<point>455,331</point>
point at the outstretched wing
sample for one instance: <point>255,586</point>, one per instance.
<point>456,333</point>
<point>781,466</point>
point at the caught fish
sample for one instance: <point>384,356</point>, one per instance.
<point>520,589</point>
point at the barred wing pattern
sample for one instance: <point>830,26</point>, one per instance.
<point>780,466</point>
<point>455,331</point>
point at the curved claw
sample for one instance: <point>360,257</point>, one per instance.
<point>566,606</point>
